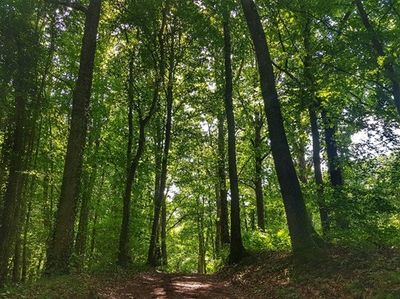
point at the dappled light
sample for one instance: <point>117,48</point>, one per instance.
<point>199,149</point>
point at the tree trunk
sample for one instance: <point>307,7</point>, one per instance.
<point>323,210</point>
<point>152,257</point>
<point>258,172</point>
<point>309,81</point>
<point>89,181</point>
<point>334,169</point>
<point>201,258</point>
<point>10,218</point>
<point>237,250</point>
<point>94,223</point>
<point>380,51</point>
<point>164,256</point>
<point>223,222</point>
<point>300,229</point>
<point>124,256</point>
<point>60,248</point>
<point>25,250</point>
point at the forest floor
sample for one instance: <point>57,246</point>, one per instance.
<point>344,273</point>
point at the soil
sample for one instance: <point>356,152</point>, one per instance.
<point>170,286</point>
<point>344,274</point>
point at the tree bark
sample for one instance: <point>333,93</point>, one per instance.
<point>300,229</point>
<point>310,88</point>
<point>237,250</point>
<point>323,210</point>
<point>201,258</point>
<point>334,169</point>
<point>60,248</point>
<point>160,202</point>
<point>223,222</point>
<point>164,255</point>
<point>124,255</point>
<point>89,180</point>
<point>11,200</point>
<point>258,123</point>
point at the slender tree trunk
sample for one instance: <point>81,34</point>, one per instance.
<point>301,160</point>
<point>94,223</point>
<point>25,249</point>
<point>16,271</point>
<point>89,181</point>
<point>152,258</point>
<point>124,256</point>
<point>158,149</point>
<point>4,162</point>
<point>300,229</point>
<point>237,250</point>
<point>323,209</point>
<point>201,262</point>
<point>223,222</point>
<point>9,221</point>
<point>60,248</point>
<point>164,255</point>
<point>310,94</point>
<point>258,172</point>
<point>378,46</point>
<point>334,169</point>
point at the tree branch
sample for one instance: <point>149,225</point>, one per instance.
<point>71,4</point>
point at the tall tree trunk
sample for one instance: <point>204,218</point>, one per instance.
<point>94,223</point>
<point>158,149</point>
<point>323,209</point>
<point>300,229</point>
<point>223,221</point>
<point>301,160</point>
<point>124,255</point>
<point>164,255</point>
<point>25,249</point>
<point>258,123</point>
<point>378,46</point>
<point>4,162</point>
<point>310,88</point>
<point>89,180</point>
<point>152,257</point>
<point>237,250</point>
<point>201,257</point>
<point>10,218</point>
<point>60,248</point>
<point>334,169</point>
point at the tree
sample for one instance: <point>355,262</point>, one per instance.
<point>299,224</point>
<point>23,39</point>
<point>60,247</point>
<point>378,47</point>
<point>236,246</point>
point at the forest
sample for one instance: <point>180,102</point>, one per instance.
<point>199,149</point>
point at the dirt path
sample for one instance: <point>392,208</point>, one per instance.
<point>169,286</point>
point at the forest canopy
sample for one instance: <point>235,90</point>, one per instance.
<point>187,134</point>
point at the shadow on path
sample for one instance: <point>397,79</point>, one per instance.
<point>169,286</point>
